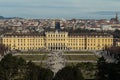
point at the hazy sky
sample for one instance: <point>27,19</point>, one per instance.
<point>59,8</point>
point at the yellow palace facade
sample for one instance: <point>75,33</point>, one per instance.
<point>57,40</point>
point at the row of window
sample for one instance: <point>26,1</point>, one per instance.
<point>72,44</point>
<point>61,44</point>
<point>83,48</point>
<point>60,48</point>
<point>57,48</point>
<point>29,44</point>
<point>56,39</point>
<point>56,44</point>
<point>56,35</point>
<point>23,40</point>
<point>70,40</point>
<point>103,40</point>
<point>27,48</point>
<point>15,45</point>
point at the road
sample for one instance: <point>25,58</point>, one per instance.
<point>48,54</point>
<point>68,61</point>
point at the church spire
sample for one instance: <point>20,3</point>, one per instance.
<point>116,16</point>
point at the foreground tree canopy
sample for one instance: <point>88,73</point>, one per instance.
<point>109,71</point>
<point>69,73</point>
<point>3,49</point>
<point>12,68</point>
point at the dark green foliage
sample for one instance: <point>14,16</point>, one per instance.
<point>88,69</point>
<point>3,49</point>
<point>12,68</point>
<point>107,71</point>
<point>36,73</point>
<point>69,73</point>
<point>45,74</point>
<point>102,69</point>
<point>116,33</point>
<point>32,72</point>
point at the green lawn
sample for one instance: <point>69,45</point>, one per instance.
<point>67,57</point>
<point>66,52</point>
<point>81,57</point>
<point>78,52</point>
<point>34,52</point>
<point>41,64</point>
<point>33,57</point>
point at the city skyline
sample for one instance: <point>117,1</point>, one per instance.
<point>89,9</point>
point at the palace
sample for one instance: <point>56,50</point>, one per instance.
<point>57,40</point>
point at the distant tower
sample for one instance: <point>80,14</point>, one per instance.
<point>115,20</point>
<point>116,17</point>
<point>57,25</point>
